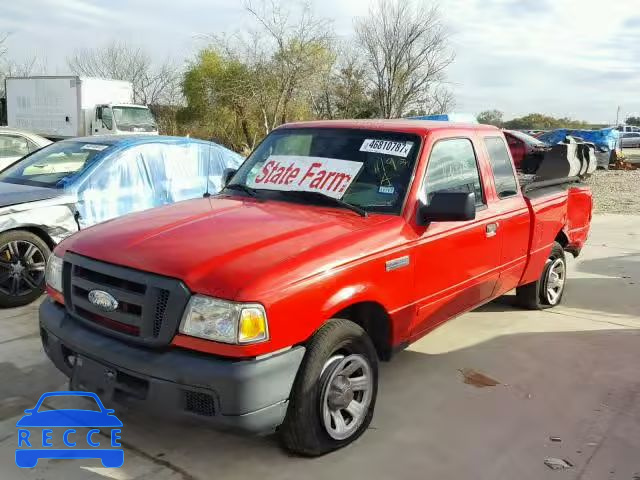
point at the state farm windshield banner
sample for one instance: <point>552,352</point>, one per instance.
<point>329,176</point>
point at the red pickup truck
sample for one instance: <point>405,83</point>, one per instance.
<point>336,244</point>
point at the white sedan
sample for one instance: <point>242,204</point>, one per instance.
<point>15,144</point>
<point>630,140</point>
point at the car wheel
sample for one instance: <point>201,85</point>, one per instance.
<point>547,291</point>
<point>23,257</point>
<point>334,395</point>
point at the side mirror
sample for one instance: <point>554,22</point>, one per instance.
<point>228,175</point>
<point>447,207</point>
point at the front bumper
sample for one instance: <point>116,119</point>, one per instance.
<point>250,395</point>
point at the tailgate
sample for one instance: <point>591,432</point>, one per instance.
<point>579,213</point>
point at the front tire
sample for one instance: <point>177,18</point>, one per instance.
<point>547,291</point>
<point>334,395</point>
<point>23,257</point>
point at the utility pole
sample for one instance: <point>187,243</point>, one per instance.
<point>618,116</point>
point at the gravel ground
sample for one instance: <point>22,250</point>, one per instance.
<point>616,191</point>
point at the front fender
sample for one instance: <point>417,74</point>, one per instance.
<point>349,295</point>
<point>56,219</point>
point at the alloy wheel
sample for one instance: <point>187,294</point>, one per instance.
<point>22,268</point>
<point>556,276</point>
<point>346,396</point>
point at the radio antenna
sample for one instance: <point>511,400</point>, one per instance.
<point>208,170</point>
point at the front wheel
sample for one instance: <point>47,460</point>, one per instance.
<point>547,291</point>
<point>334,395</point>
<point>23,257</point>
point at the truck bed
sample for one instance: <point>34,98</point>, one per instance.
<point>565,207</point>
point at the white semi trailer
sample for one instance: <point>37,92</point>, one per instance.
<point>71,106</point>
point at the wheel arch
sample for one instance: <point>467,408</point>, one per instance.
<point>374,319</point>
<point>37,231</point>
<point>562,238</point>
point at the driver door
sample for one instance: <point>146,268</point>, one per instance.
<point>103,122</point>
<point>456,262</point>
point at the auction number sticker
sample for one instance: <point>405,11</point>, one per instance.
<point>94,146</point>
<point>389,147</point>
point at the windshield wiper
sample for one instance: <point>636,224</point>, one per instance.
<point>326,198</point>
<point>241,187</point>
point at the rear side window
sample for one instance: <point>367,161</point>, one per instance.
<point>13,146</point>
<point>505,180</point>
<point>453,168</point>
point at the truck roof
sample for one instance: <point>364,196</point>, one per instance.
<point>399,125</point>
<point>129,105</point>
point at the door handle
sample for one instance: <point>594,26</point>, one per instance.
<point>492,229</point>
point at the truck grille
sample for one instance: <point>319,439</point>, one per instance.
<point>149,306</point>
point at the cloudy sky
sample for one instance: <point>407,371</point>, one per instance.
<point>576,58</point>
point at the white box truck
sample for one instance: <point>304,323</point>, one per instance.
<point>70,106</point>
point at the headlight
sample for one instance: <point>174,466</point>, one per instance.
<point>224,321</point>
<point>53,273</point>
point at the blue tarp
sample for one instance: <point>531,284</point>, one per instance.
<point>450,117</point>
<point>149,174</point>
<point>606,138</point>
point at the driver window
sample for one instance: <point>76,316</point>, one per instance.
<point>107,118</point>
<point>453,168</point>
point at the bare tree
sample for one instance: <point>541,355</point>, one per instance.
<point>301,50</point>
<point>3,48</point>
<point>439,100</point>
<point>343,91</point>
<point>120,61</point>
<point>33,65</point>
<point>406,45</point>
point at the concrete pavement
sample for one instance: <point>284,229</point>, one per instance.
<point>570,372</point>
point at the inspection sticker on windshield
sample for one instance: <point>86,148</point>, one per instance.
<point>389,147</point>
<point>329,176</point>
<point>93,146</point>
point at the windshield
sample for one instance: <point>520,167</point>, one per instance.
<point>528,139</point>
<point>369,169</point>
<point>55,166</point>
<point>127,117</point>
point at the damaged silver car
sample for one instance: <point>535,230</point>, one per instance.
<point>73,184</point>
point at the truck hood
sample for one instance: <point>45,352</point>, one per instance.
<point>227,247</point>
<point>13,194</point>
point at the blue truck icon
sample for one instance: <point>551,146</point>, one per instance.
<point>31,448</point>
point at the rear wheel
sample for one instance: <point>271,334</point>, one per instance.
<point>334,394</point>
<point>23,257</point>
<point>547,291</point>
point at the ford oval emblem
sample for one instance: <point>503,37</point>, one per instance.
<point>103,300</point>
